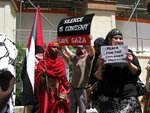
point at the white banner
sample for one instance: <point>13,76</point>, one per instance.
<point>113,54</point>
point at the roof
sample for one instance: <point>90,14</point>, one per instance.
<point>124,7</point>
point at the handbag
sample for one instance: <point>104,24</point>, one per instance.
<point>140,87</point>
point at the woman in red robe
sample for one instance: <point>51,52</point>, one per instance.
<point>51,83</point>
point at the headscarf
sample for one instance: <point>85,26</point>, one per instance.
<point>110,35</point>
<point>55,65</point>
<point>8,54</point>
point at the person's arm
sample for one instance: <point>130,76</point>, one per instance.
<point>6,88</point>
<point>67,51</point>
<point>132,68</point>
<point>90,48</point>
<point>98,73</point>
<point>133,64</point>
<point>90,90</point>
<point>66,57</point>
<point>148,76</point>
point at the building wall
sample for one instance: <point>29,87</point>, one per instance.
<point>133,31</point>
<point>7,18</point>
<point>102,22</point>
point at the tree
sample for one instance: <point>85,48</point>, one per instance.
<point>70,63</point>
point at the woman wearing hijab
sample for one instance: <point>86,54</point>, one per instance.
<point>51,83</point>
<point>118,86</point>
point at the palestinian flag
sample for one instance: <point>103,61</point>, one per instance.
<point>34,46</point>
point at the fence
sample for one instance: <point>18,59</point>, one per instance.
<point>22,35</point>
<point>138,45</point>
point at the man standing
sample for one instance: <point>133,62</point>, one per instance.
<point>94,90</point>
<point>80,74</point>
<point>7,74</point>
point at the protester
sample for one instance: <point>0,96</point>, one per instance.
<point>145,101</point>
<point>93,91</point>
<point>81,62</point>
<point>39,56</point>
<point>51,83</point>
<point>118,88</point>
<point>7,74</point>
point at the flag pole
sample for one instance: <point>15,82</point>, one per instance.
<point>45,69</point>
<point>42,15</point>
<point>46,77</point>
<point>34,46</point>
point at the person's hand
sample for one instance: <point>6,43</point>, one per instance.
<point>35,67</point>
<point>129,57</point>
<point>89,91</point>
<point>44,69</point>
<point>91,37</point>
<point>43,77</point>
<point>101,60</point>
<point>61,99</point>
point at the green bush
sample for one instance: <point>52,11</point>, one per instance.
<point>70,64</point>
<point>19,65</point>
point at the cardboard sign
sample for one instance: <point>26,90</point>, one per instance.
<point>113,54</point>
<point>75,30</point>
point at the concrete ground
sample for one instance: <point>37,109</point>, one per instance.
<point>19,109</point>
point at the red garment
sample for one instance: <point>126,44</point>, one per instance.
<point>49,100</point>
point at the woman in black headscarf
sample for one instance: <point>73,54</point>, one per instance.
<point>120,94</point>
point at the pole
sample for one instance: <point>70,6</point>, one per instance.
<point>137,43</point>
<point>42,15</point>
<point>131,15</point>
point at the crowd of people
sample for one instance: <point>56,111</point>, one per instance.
<point>107,87</point>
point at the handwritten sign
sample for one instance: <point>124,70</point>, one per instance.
<point>113,54</point>
<point>75,30</point>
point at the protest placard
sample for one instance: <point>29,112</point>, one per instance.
<point>75,30</point>
<point>113,54</point>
